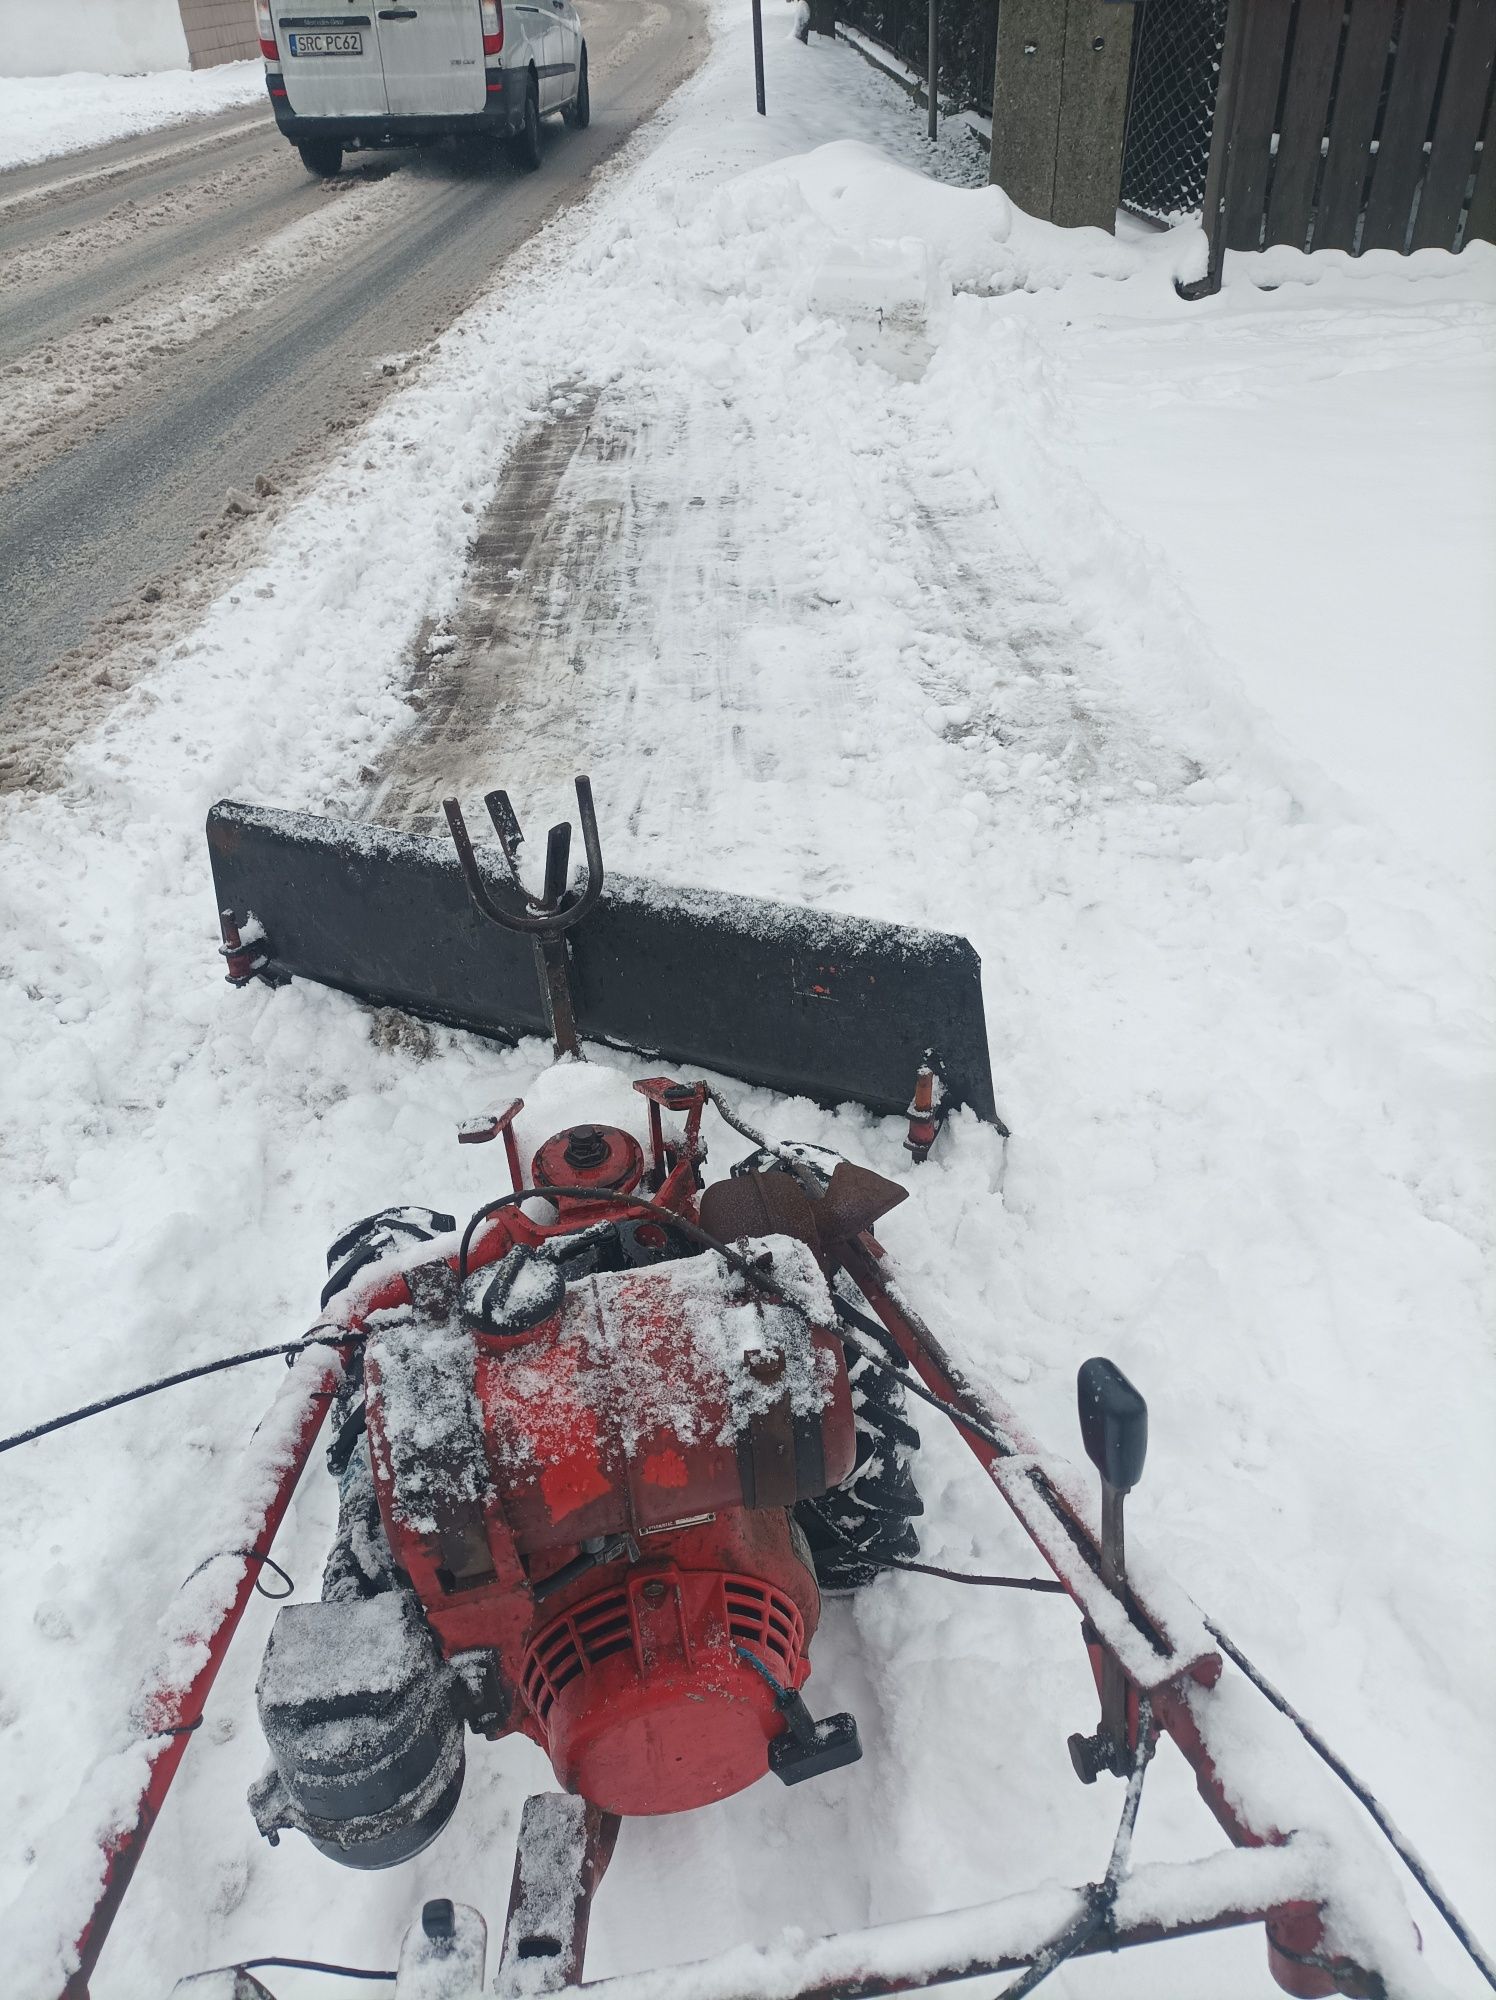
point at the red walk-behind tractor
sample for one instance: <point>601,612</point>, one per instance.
<point>571,1459</point>
<point>601,1449</point>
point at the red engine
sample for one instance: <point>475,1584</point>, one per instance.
<point>567,1475</point>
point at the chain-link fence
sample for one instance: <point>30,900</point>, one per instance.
<point>968,41</point>
<point>1176,61</point>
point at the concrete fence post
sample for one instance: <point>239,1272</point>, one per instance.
<point>1059,107</point>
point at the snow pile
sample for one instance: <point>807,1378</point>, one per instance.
<point>70,1855</point>
<point>949,649</point>
<point>976,236</point>
<point>1320,473</point>
<point>42,116</point>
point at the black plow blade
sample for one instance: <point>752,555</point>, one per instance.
<point>799,1000</point>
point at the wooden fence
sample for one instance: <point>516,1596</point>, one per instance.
<point>1352,125</point>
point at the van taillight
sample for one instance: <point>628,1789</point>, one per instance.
<point>493,26</point>
<point>267,31</point>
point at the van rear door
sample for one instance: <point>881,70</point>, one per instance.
<point>433,57</point>
<point>331,64</point>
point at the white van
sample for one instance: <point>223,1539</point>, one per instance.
<point>476,70</point>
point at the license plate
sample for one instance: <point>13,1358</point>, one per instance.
<point>349,42</point>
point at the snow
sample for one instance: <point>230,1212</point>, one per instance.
<point>692,1377</point>
<point>428,1441</point>
<point>1322,483</point>
<point>326,1656</point>
<point>84,368</point>
<point>45,37</point>
<point>44,116</point>
<point>964,647</point>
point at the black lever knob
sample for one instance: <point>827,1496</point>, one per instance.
<point>439,1922</point>
<point>1113,1423</point>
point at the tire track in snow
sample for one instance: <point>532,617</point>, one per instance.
<point>1019,684</point>
<point>48,283</point>
<point>591,588</point>
<point>637,559</point>
<point>50,390</point>
<point>468,673</point>
<point>88,179</point>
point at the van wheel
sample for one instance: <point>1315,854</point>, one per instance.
<point>579,113</point>
<point>527,139</point>
<point>322,157</point>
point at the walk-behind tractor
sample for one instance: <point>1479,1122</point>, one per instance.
<point>601,1449</point>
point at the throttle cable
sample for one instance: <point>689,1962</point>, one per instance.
<point>289,1348</point>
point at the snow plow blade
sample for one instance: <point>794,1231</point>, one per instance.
<point>802,1001</point>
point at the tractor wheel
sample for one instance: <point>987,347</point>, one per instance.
<point>527,139</point>
<point>359,1563</point>
<point>321,157</point>
<point>866,1524</point>
<point>375,1237</point>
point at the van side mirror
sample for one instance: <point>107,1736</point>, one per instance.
<point>1113,1423</point>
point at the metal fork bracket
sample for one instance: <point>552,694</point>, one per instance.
<point>547,920</point>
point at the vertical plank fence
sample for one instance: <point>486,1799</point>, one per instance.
<point>1352,125</point>
<point>1325,124</point>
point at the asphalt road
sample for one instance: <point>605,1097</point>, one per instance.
<point>145,370</point>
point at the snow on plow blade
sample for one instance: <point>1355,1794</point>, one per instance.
<point>799,1000</point>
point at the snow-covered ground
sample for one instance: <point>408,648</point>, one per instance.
<point>42,116</point>
<point>1320,474</point>
<point>1021,613</point>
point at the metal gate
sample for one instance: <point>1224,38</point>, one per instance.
<point>1171,104</point>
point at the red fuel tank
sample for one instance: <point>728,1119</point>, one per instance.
<point>657,1395</point>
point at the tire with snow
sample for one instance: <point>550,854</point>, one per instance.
<point>866,1524</point>
<point>527,139</point>
<point>578,114</point>
<point>377,1236</point>
<point>321,157</point>
<point>359,1563</point>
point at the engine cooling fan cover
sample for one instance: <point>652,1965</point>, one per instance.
<point>644,1697</point>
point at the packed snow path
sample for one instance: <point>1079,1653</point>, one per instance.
<point>903,657</point>
<point>578,608</point>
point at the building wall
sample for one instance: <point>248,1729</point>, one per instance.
<point>112,37</point>
<point>219,31</point>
